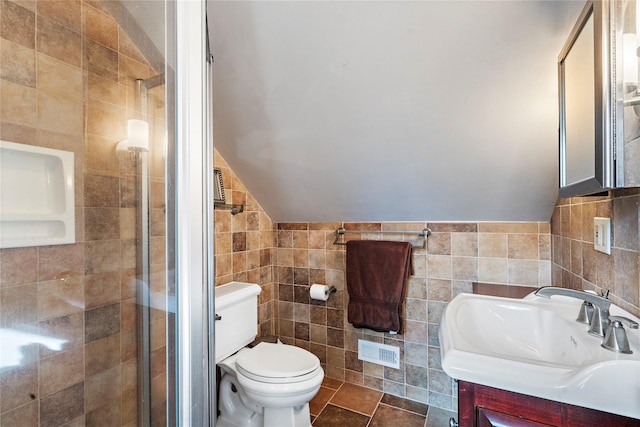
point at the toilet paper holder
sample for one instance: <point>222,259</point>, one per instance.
<point>320,292</point>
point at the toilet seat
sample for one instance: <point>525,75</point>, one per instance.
<point>277,363</point>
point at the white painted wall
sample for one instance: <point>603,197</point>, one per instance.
<point>391,110</point>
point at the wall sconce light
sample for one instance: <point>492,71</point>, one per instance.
<point>137,136</point>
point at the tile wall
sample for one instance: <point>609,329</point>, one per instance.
<point>245,246</point>
<point>67,75</point>
<point>457,255</point>
<point>577,265</point>
<point>68,70</point>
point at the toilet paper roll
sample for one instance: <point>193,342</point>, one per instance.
<point>319,292</point>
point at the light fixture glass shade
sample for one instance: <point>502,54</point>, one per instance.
<point>137,136</point>
<point>138,133</point>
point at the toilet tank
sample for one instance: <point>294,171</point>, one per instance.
<point>237,305</point>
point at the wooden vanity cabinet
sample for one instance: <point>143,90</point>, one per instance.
<point>482,406</point>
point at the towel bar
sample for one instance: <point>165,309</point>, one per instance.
<point>423,233</point>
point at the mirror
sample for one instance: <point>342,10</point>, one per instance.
<point>600,100</point>
<point>585,136</point>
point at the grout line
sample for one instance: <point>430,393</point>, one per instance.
<point>350,410</point>
<point>375,410</point>
<point>402,409</point>
<point>353,410</point>
<point>356,411</point>
<point>336,389</point>
<point>328,400</point>
<point>340,386</point>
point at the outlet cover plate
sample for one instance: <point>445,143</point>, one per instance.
<point>602,234</point>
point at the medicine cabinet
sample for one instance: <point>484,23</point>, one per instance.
<point>600,100</point>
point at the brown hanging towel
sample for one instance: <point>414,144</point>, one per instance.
<point>376,275</point>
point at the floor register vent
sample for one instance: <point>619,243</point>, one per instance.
<point>381,354</point>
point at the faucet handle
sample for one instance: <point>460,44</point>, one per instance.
<point>615,338</point>
<point>599,321</point>
<point>586,313</point>
<point>630,323</point>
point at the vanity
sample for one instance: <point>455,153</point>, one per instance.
<point>528,362</point>
<point>482,406</point>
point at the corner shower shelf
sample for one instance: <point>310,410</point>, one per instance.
<point>37,205</point>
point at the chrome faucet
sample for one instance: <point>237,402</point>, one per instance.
<point>598,314</point>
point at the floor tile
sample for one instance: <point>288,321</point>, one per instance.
<point>332,416</point>
<point>406,404</point>
<point>320,400</point>
<point>437,417</point>
<point>331,383</point>
<point>357,398</point>
<point>339,404</point>
<point>386,416</point>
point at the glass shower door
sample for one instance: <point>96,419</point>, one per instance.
<point>88,328</point>
<point>147,164</point>
<point>172,215</point>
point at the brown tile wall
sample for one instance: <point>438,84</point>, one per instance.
<point>577,265</point>
<point>67,83</point>
<point>245,246</point>
<point>457,255</point>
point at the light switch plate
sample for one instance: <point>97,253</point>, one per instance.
<point>602,234</point>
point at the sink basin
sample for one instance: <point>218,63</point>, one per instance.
<point>534,346</point>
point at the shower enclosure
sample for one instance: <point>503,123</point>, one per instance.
<point>91,331</point>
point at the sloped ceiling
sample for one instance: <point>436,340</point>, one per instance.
<point>391,110</point>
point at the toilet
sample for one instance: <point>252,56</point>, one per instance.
<point>268,385</point>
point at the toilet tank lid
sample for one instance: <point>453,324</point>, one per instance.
<point>233,292</point>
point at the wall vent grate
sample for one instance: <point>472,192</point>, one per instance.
<point>381,354</point>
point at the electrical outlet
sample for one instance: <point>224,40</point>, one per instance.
<point>602,234</point>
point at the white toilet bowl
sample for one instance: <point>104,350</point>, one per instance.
<point>269,385</point>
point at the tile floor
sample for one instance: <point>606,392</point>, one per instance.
<point>339,404</point>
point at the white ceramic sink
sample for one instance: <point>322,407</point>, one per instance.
<point>534,346</point>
